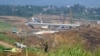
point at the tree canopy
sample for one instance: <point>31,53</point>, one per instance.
<point>78,11</point>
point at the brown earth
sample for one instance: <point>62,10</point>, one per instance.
<point>87,35</point>
<point>15,21</point>
<point>17,54</point>
<point>6,44</point>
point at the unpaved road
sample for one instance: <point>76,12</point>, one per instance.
<point>9,46</point>
<point>6,44</point>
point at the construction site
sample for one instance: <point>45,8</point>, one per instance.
<point>20,36</point>
<point>49,28</point>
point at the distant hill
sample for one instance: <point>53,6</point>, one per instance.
<point>76,11</point>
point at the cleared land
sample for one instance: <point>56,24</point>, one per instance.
<point>82,41</point>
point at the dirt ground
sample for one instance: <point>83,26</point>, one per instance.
<point>88,35</point>
<point>15,21</point>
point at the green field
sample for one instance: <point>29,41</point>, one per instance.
<point>5,38</point>
<point>5,26</point>
<point>77,50</point>
<point>71,51</point>
<point>63,51</point>
<point>1,48</point>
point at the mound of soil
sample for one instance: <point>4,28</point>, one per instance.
<point>88,35</point>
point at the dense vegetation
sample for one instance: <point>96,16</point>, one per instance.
<point>78,11</point>
<point>1,48</point>
<point>62,51</point>
<point>73,51</point>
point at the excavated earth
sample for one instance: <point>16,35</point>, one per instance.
<point>87,35</point>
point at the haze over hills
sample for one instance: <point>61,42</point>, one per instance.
<point>87,3</point>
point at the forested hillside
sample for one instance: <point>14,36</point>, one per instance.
<point>77,11</point>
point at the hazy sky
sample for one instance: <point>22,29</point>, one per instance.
<point>88,3</point>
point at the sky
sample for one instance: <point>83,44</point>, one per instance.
<point>87,3</point>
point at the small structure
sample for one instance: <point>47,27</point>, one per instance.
<point>98,22</point>
<point>14,30</point>
<point>19,45</point>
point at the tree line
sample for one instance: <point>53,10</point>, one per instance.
<point>77,11</point>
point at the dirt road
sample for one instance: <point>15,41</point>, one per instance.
<point>9,46</point>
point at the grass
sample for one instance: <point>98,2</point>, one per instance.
<point>5,26</point>
<point>5,38</point>
<point>64,50</point>
<point>70,51</point>
<point>1,48</point>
